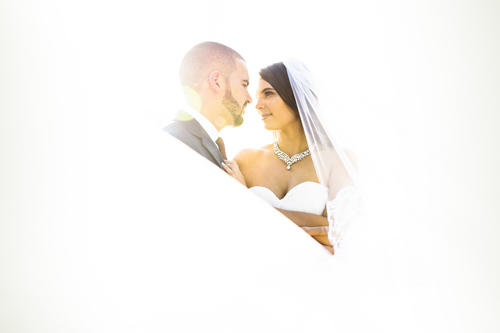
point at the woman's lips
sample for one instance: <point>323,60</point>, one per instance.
<point>265,116</point>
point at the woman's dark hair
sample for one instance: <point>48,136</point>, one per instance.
<point>277,76</point>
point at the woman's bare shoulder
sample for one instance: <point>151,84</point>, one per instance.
<point>249,155</point>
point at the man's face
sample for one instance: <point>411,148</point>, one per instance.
<point>236,96</point>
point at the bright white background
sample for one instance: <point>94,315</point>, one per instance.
<point>413,87</point>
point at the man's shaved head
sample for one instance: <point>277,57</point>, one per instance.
<point>204,58</point>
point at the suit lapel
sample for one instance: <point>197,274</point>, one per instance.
<point>195,128</point>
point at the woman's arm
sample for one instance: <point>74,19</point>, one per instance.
<point>305,219</point>
<point>309,220</point>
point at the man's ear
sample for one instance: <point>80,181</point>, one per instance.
<point>216,81</point>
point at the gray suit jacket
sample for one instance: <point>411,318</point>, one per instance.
<point>189,131</point>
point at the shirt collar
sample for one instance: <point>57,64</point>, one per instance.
<point>204,122</point>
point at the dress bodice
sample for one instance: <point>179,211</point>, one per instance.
<point>307,197</point>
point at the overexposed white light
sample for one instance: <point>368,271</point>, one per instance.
<point>411,87</point>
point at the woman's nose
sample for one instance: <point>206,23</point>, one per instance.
<point>259,106</point>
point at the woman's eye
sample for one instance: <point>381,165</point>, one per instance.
<point>268,93</point>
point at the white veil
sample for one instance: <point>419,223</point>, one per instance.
<point>333,167</point>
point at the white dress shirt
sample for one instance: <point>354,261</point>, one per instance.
<point>204,122</point>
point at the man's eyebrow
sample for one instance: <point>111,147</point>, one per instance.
<point>247,82</point>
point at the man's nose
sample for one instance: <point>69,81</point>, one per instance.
<point>249,98</point>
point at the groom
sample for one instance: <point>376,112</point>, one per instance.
<point>214,78</point>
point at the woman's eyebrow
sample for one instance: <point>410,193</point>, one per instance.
<point>266,89</point>
<point>263,91</point>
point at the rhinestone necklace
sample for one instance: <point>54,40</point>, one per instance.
<point>285,158</point>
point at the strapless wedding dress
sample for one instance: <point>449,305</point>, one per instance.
<point>307,197</point>
<point>311,197</point>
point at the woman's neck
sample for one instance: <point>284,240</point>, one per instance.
<point>292,140</point>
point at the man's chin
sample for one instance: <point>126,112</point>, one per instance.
<point>238,121</point>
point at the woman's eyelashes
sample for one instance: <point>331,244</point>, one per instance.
<point>266,93</point>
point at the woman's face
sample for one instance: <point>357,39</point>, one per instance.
<point>273,111</point>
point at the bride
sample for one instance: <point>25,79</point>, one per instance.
<point>309,186</point>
